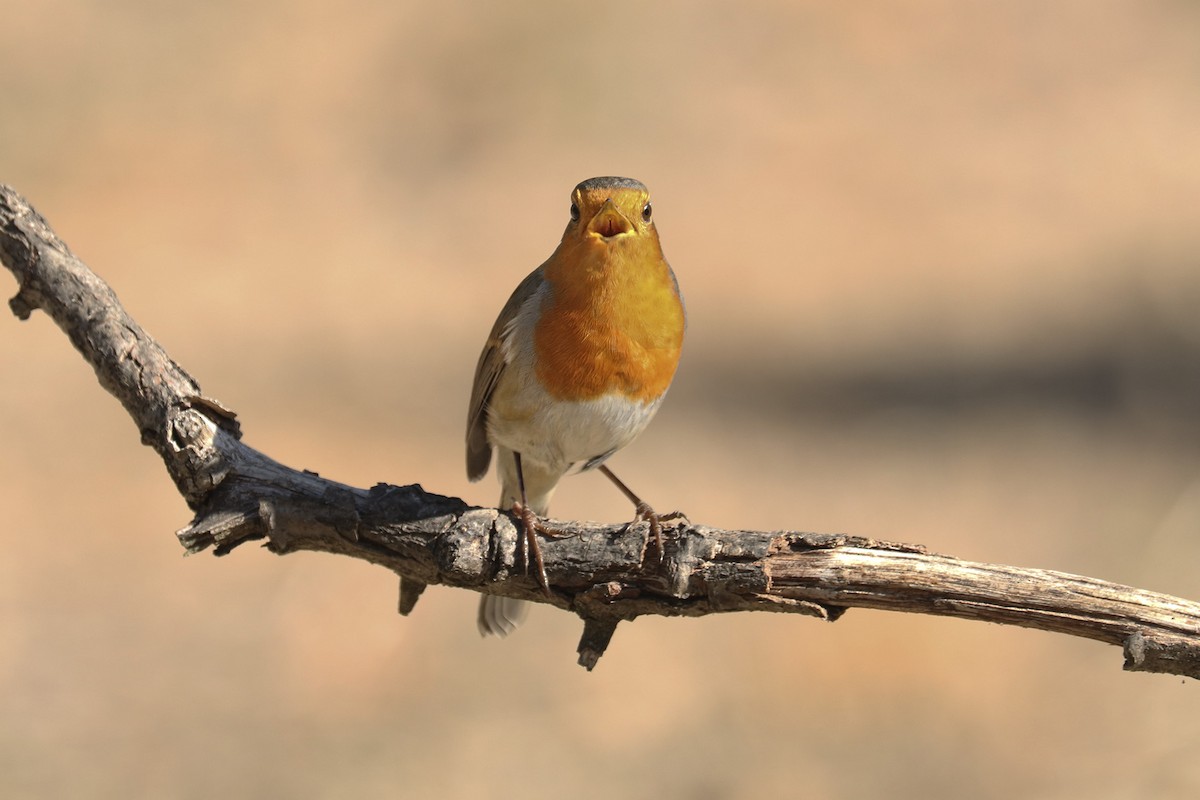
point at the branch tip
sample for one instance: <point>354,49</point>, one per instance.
<point>21,306</point>
<point>597,633</point>
<point>410,592</point>
<point>1174,655</point>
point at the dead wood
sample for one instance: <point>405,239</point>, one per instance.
<point>600,572</point>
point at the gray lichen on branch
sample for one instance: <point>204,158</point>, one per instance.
<point>600,572</point>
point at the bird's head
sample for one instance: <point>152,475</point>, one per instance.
<point>605,211</point>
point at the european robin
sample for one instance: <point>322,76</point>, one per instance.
<point>576,365</point>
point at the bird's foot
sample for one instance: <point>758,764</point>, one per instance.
<point>645,513</point>
<point>531,551</point>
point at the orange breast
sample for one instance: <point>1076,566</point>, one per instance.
<point>609,325</point>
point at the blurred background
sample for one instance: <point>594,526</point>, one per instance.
<point>942,265</point>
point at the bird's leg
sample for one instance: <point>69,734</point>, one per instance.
<point>530,524</point>
<point>644,511</point>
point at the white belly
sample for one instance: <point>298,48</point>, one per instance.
<point>560,433</point>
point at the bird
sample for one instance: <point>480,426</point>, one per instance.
<point>576,365</point>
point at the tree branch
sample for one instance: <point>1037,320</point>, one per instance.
<point>600,572</point>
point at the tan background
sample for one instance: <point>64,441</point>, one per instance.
<point>941,265</point>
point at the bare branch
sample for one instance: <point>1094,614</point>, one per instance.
<point>599,572</point>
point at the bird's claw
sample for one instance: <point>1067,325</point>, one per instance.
<point>531,551</point>
<point>647,514</point>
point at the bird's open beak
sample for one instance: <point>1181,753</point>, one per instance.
<point>609,222</point>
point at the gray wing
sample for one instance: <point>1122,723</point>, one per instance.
<point>487,373</point>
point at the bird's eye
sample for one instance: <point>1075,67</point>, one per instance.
<point>574,213</point>
<point>646,212</point>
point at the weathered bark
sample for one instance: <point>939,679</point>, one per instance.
<point>600,572</point>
